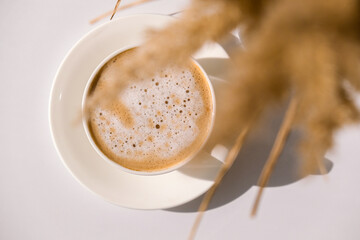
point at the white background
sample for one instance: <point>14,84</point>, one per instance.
<point>39,199</point>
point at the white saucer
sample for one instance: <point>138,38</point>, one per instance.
<point>100,177</point>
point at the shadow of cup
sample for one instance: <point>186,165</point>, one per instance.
<point>249,163</point>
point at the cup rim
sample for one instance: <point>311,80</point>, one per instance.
<point>106,158</point>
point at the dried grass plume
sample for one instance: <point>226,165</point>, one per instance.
<point>307,50</point>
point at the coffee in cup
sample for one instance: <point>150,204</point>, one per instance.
<point>155,124</point>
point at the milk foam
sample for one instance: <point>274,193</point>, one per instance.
<point>164,112</point>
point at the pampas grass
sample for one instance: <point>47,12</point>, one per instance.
<point>307,50</point>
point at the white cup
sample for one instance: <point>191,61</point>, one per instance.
<point>200,151</point>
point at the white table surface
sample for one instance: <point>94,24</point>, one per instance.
<point>39,199</point>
